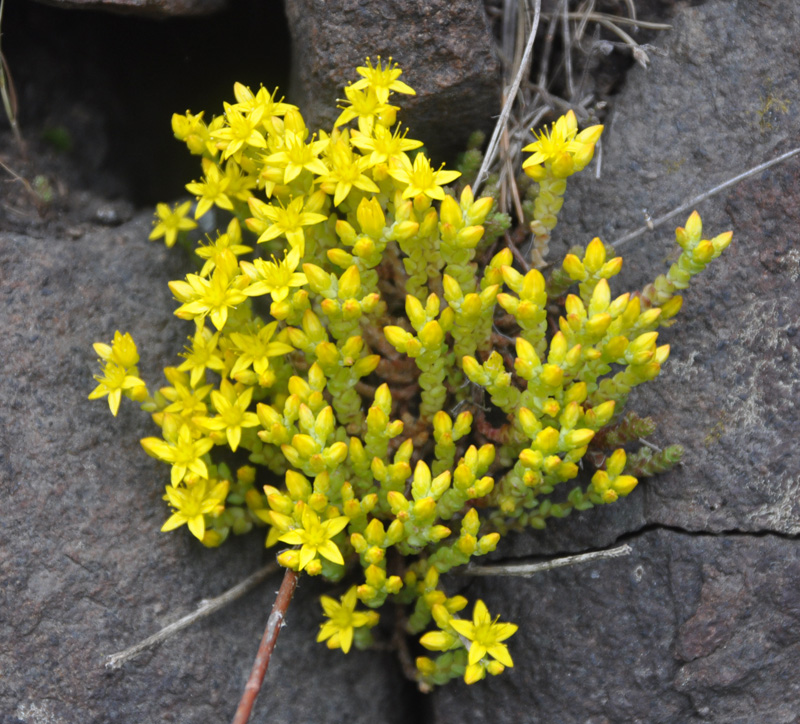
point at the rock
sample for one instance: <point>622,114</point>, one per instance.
<point>85,570</point>
<point>150,8</point>
<point>688,628</point>
<point>698,624</point>
<point>445,49</point>
<point>712,109</point>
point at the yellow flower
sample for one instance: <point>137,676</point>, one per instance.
<point>382,79</point>
<point>384,144</point>
<point>562,148</point>
<point>365,106</point>
<point>241,130</point>
<point>296,155</point>
<point>210,297</point>
<point>256,349</point>
<point>202,355</point>
<point>286,221</point>
<point>343,619</point>
<point>346,171</point>
<point>193,503</point>
<point>210,191</point>
<point>315,538</point>
<point>421,178</point>
<point>239,184</point>
<point>248,103</point>
<point>194,132</point>
<point>171,222</point>
<point>113,381</point>
<point>122,350</point>
<point>485,637</point>
<point>232,413</point>
<point>230,242</point>
<point>274,277</point>
<point>184,453</point>
<point>185,400</point>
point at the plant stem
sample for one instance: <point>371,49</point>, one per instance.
<point>274,623</point>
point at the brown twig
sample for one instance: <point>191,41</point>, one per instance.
<point>274,624</point>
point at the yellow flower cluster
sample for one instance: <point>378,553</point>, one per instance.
<point>336,354</point>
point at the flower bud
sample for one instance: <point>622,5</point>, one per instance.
<point>552,375</point>
<point>318,279</point>
<point>578,438</point>
<point>366,365</point>
<point>349,283</point>
<point>479,210</point>
<point>451,212</point>
<point>340,257</point>
<point>431,335</point>
<point>547,440</point>
<point>595,256</point>
<point>370,217</point>
<point>346,232</point>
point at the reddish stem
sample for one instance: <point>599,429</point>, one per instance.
<point>274,623</point>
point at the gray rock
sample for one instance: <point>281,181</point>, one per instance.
<point>85,571</point>
<point>444,48</point>
<point>699,623</point>
<point>716,106</point>
<point>688,628</point>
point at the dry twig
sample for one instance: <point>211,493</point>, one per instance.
<point>654,223</point>
<point>526,570</point>
<point>204,609</point>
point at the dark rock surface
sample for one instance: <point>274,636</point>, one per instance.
<point>698,624</point>
<point>85,571</point>
<point>445,48</point>
<point>689,628</point>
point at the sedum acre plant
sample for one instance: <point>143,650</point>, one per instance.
<point>373,379</point>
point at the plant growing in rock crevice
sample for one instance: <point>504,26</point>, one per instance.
<point>403,391</point>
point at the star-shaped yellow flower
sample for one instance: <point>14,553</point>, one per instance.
<point>296,155</point>
<point>285,221</point>
<point>384,144</point>
<point>113,381</point>
<point>343,620</point>
<point>346,171</point>
<point>208,297</point>
<point>193,503</point>
<point>212,190</point>
<point>242,130</point>
<point>171,222</point>
<point>420,178</point>
<point>274,277</point>
<point>232,413</point>
<point>365,106</point>
<point>315,538</point>
<point>184,453</point>
<point>562,148</point>
<point>485,637</point>
<point>382,79</point>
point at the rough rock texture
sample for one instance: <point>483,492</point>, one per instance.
<point>84,569</point>
<point>149,8</point>
<point>689,628</point>
<point>444,47</point>
<point>699,623</point>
